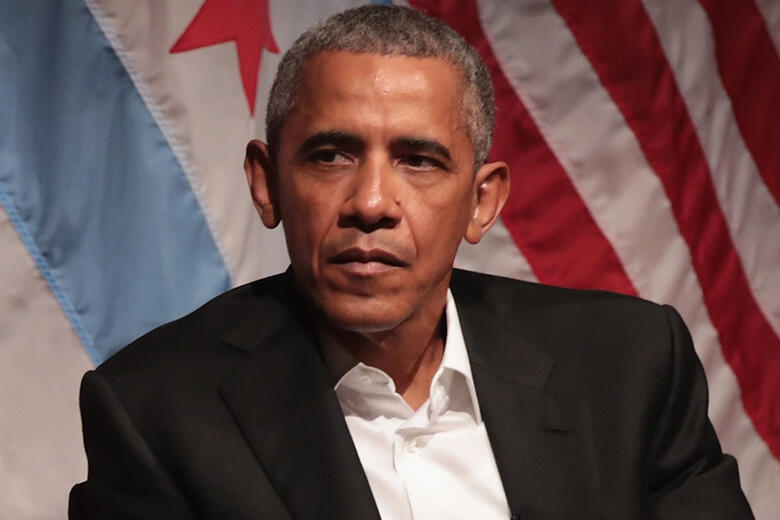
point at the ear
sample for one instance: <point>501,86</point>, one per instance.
<point>261,176</point>
<point>491,185</point>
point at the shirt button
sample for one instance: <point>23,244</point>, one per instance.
<point>413,445</point>
<point>366,380</point>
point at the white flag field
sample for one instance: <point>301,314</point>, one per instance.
<point>643,138</point>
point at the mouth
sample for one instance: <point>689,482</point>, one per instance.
<point>367,261</point>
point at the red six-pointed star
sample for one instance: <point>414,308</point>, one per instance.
<point>245,22</point>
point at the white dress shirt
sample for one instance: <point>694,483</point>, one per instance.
<point>432,463</point>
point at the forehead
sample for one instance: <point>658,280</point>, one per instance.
<point>345,87</point>
<point>318,69</point>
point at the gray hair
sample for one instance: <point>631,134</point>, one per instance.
<point>388,30</point>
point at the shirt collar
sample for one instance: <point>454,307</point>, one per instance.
<point>456,357</point>
<point>342,366</point>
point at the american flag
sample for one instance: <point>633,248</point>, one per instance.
<point>642,136</point>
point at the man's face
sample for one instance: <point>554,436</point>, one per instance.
<point>375,186</point>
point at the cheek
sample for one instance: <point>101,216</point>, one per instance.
<point>439,222</point>
<point>308,213</point>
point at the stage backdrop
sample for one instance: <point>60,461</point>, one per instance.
<point>642,135</point>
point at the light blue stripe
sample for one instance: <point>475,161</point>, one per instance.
<point>48,275</point>
<point>90,183</point>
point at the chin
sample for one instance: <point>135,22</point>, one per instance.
<point>360,314</point>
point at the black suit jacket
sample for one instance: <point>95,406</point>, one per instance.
<point>595,405</point>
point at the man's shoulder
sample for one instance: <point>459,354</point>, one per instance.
<point>498,290</point>
<point>193,337</point>
<point>584,330</point>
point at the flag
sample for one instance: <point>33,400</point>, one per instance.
<point>641,137</point>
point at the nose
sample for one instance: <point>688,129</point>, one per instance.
<point>373,201</point>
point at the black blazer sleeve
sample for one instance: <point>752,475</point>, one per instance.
<point>125,480</point>
<point>689,475</point>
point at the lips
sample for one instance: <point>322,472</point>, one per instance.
<point>367,256</point>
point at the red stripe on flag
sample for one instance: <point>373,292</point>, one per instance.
<point>750,69</point>
<point>544,214</point>
<point>632,66</point>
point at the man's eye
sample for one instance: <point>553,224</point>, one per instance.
<point>421,161</point>
<point>328,157</point>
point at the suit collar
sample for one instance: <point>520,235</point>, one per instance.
<point>284,404</point>
<point>541,439</point>
<point>494,344</point>
<point>270,310</point>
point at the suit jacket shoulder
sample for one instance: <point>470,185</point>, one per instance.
<point>182,339</point>
<point>609,392</point>
<point>227,412</point>
<point>587,334</point>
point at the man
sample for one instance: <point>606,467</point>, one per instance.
<point>370,379</point>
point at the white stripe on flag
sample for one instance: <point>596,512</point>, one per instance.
<point>41,364</point>
<point>750,210</point>
<point>770,9</point>
<point>495,254</point>
<point>589,137</point>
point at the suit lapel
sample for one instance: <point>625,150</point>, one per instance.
<point>541,440</point>
<point>286,407</point>
<point>284,403</point>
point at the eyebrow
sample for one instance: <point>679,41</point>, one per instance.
<point>349,141</point>
<point>422,144</point>
<point>332,138</point>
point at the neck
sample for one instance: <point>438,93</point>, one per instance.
<point>410,353</point>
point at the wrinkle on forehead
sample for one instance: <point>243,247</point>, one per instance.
<point>381,77</point>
